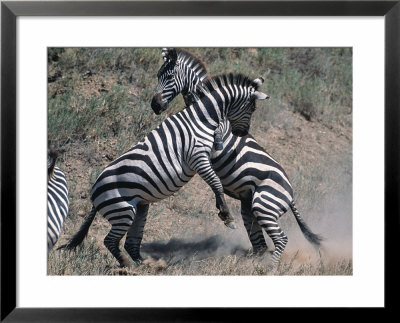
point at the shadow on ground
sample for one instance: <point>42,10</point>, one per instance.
<point>178,250</point>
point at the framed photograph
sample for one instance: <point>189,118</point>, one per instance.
<point>95,89</point>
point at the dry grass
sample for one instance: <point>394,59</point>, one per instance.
<point>99,106</point>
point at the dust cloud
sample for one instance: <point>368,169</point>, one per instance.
<point>332,220</point>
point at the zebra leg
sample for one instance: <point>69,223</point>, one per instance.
<point>224,213</point>
<point>254,231</point>
<point>280,240</point>
<point>120,223</point>
<point>202,165</point>
<point>135,234</point>
<point>269,223</point>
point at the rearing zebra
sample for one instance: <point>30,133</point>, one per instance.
<point>57,199</point>
<point>247,172</point>
<point>167,159</point>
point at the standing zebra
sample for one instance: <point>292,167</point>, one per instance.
<point>247,172</point>
<point>57,199</point>
<point>167,159</point>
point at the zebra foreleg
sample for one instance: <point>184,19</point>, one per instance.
<point>254,231</point>
<point>135,234</point>
<point>224,213</point>
<point>202,165</point>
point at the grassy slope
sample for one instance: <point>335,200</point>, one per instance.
<point>99,105</point>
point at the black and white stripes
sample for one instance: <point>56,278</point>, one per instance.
<point>180,73</point>
<point>246,171</point>
<point>57,200</point>
<point>167,159</point>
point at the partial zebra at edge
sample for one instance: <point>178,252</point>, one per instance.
<point>57,199</point>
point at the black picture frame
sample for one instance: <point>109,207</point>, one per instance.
<point>10,10</point>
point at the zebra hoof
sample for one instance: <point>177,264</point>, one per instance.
<point>124,263</point>
<point>260,251</point>
<point>229,221</point>
<point>137,263</point>
<point>230,225</point>
<point>272,268</point>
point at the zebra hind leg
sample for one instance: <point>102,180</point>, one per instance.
<point>120,223</point>
<point>278,237</point>
<point>256,236</point>
<point>254,231</point>
<point>135,234</point>
<point>280,240</point>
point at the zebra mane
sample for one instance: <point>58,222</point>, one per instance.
<point>193,60</point>
<point>216,82</point>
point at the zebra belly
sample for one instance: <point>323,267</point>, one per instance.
<point>136,181</point>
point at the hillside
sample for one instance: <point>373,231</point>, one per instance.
<point>99,106</point>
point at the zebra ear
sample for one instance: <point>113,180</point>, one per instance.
<point>169,54</point>
<point>260,96</point>
<point>258,82</point>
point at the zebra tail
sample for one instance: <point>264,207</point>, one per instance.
<point>313,238</point>
<point>78,237</point>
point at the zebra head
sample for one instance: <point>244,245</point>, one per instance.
<point>180,73</point>
<point>167,87</point>
<point>239,115</point>
<point>244,93</point>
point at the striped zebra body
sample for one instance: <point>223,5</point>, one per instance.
<point>57,202</point>
<point>165,160</point>
<point>247,172</point>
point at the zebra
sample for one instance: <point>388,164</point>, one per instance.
<point>247,172</point>
<point>57,199</point>
<point>187,72</point>
<point>165,160</point>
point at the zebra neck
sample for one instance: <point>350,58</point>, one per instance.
<point>190,86</point>
<point>210,111</point>
<point>204,115</point>
<point>193,76</point>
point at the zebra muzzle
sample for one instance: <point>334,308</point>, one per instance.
<point>157,104</point>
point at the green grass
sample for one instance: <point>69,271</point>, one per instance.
<point>99,106</point>
<point>315,83</point>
